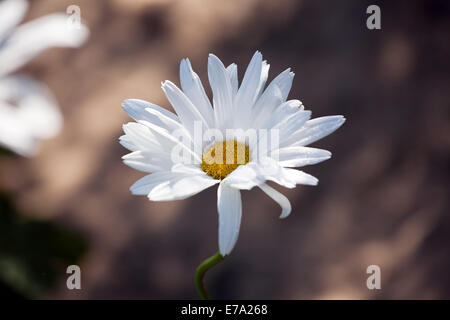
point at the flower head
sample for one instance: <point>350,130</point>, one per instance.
<point>28,111</point>
<point>249,135</point>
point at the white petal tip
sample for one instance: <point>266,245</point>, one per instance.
<point>285,212</point>
<point>126,104</point>
<point>224,253</point>
<point>134,192</point>
<point>284,215</point>
<point>339,119</point>
<point>185,64</point>
<point>165,84</point>
<point>286,209</point>
<point>80,36</point>
<point>214,59</point>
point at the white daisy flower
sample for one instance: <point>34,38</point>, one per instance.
<point>28,111</point>
<point>231,156</point>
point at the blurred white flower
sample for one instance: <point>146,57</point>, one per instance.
<point>28,111</point>
<point>249,107</point>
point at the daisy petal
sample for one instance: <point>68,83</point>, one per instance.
<point>141,110</point>
<point>36,106</point>
<point>278,198</point>
<point>11,13</point>
<point>174,140</point>
<point>314,130</point>
<point>222,91</point>
<point>34,116</point>
<point>136,107</point>
<point>144,185</point>
<point>167,185</point>
<point>291,124</point>
<point>250,87</point>
<point>263,78</point>
<point>245,176</point>
<point>127,143</point>
<point>141,137</point>
<point>255,173</point>
<point>300,177</point>
<point>148,161</point>
<point>268,169</point>
<point>284,82</point>
<point>283,112</point>
<point>187,168</point>
<point>186,111</point>
<point>193,88</point>
<point>300,156</point>
<point>251,82</point>
<point>154,139</point>
<point>229,206</point>
<point>15,137</point>
<point>181,187</point>
<point>32,38</point>
<point>233,75</point>
<point>263,110</point>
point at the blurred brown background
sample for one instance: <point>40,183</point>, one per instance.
<point>382,199</point>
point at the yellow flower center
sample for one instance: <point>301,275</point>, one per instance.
<point>224,157</point>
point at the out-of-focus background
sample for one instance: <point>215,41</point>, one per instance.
<point>382,199</point>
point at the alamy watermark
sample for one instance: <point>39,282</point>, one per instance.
<point>374,280</point>
<point>74,280</point>
<point>74,17</point>
<point>373,21</point>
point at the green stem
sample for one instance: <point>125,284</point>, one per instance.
<point>200,273</point>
